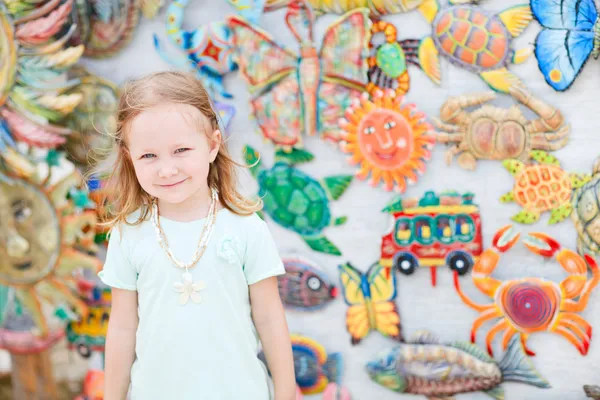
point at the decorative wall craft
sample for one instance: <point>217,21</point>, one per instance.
<point>431,232</point>
<point>92,120</point>
<point>46,237</point>
<point>586,214</point>
<point>568,37</point>
<point>425,366</point>
<point>377,7</point>
<point>89,334</point>
<point>388,61</point>
<point>370,298</point>
<point>494,133</point>
<point>389,139</point>
<point>477,40</point>
<point>307,93</point>
<point>297,201</point>
<point>531,305</point>
<point>592,392</point>
<point>305,286</point>
<point>542,187</point>
<point>314,368</point>
<point>111,24</point>
<point>206,50</point>
<point>34,61</point>
<point>226,113</point>
<point>250,10</point>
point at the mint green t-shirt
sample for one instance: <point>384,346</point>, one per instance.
<point>195,351</point>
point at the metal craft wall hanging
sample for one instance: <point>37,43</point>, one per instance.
<point>592,391</point>
<point>34,57</point>
<point>542,187</point>
<point>477,40</point>
<point>388,139</point>
<point>586,214</point>
<point>313,366</point>
<point>88,334</point>
<point>570,35</point>
<point>529,305</point>
<point>305,286</point>
<point>431,232</point>
<point>93,120</point>
<point>388,63</point>
<point>46,234</point>
<point>376,7</point>
<point>297,201</point>
<point>293,94</point>
<point>494,133</point>
<point>371,302</point>
<point>206,50</point>
<point>106,27</point>
<point>425,366</point>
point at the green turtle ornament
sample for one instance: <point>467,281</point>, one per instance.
<point>542,187</point>
<point>586,214</point>
<point>297,201</point>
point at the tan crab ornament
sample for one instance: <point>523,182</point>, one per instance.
<point>494,133</point>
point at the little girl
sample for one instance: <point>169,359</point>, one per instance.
<point>192,267</point>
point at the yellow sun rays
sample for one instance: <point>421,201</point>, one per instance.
<point>389,140</point>
<point>54,251</point>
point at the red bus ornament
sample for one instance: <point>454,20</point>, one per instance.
<point>432,231</point>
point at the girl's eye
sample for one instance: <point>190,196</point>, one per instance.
<point>149,155</point>
<point>181,150</point>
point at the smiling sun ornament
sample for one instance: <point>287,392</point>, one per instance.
<point>46,233</point>
<point>390,140</point>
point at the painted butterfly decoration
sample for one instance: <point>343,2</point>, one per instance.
<point>370,298</point>
<point>570,34</point>
<point>309,92</point>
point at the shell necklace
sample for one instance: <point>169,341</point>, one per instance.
<point>187,288</point>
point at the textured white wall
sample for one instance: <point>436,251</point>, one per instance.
<point>421,306</point>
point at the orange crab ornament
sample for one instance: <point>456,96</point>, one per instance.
<point>531,305</point>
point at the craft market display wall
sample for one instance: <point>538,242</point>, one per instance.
<point>421,306</point>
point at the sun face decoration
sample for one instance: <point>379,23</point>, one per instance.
<point>45,237</point>
<point>389,140</point>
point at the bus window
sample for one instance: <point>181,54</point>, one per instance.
<point>464,228</point>
<point>443,229</point>
<point>423,230</point>
<point>105,317</point>
<point>404,231</point>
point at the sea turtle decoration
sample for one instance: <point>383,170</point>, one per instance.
<point>586,213</point>
<point>476,40</point>
<point>541,187</point>
<point>297,201</point>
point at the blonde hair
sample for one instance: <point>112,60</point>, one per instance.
<point>125,194</point>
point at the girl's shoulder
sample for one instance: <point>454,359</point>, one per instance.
<point>247,223</point>
<point>132,226</point>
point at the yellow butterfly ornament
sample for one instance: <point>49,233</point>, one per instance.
<point>371,300</point>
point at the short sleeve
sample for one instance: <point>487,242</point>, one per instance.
<point>118,272</point>
<point>262,258</point>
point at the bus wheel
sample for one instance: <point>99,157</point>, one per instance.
<point>84,350</point>
<point>406,263</point>
<point>460,262</point>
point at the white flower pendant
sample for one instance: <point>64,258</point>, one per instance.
<point>189,289</point>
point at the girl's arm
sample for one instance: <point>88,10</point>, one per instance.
<point>269,319</point>
<point>120,343</point>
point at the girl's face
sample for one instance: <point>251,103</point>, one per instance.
<point>170,155</point>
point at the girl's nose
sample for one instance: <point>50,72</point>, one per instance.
<point>167,171</point>
<point>16,245</point>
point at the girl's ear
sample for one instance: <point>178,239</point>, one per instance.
<point>215,144</point>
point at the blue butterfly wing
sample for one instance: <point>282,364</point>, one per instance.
<point>577,15</point>
<point>561,54</point>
